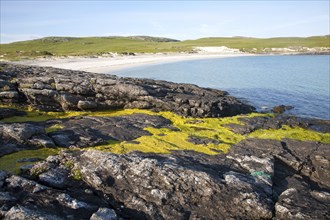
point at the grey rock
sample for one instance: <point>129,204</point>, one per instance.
<point>87,105</point>
<point>6,198</point>
<point>51,89</point>
<point>25,169</point>
<point>281,109</point>
<point>62,138</point>
<point>42,140</point>
<point>264,122</point>
<point>202,141</point>
<point>23,213</point>
<point>70,202</point>
<point>305,204</point>
<point>28,185</point>
<point>9,95</point>
<point>162,182</point>
<point>91,131</point>
<point>3,176</point>
<point>104,214</point>
<point>55,178</point>
<point>21,132</point>
<point>69,101</point>
<point>9,112</point>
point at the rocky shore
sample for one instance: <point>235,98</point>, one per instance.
<point>221,162</point>
<point>51,89</point>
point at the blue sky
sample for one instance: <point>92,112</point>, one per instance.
<point>24,20</point>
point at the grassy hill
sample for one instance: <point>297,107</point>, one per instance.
<point>64,46</point>
<point>261,43</point>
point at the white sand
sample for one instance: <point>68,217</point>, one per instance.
<point>108,64</point>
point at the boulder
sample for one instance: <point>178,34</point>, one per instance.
<point>87,105</point>
<point>281,109</point>
<point>21,131</point>
<point>104,214</point>
<point>10,112</point>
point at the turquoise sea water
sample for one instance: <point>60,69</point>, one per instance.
<point>263,81</point>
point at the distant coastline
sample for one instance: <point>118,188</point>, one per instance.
<point>117,46</point>
<point>106,64</point>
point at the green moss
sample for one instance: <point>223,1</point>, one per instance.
<point>296,133</point>
<point>10,164</point>
<point>54,127</point>
<point>166,140</point>
<point>38,169</point>
<point>33,115</point>
<point>69,164</point>
<point>76,174</point>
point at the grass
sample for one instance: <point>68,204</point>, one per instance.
<point>68,46</point>
<point>259,43</point>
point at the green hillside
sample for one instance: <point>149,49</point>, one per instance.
<point>260,43</point>
<point>64,46</point>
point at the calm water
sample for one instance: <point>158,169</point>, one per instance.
<point>263,81</point>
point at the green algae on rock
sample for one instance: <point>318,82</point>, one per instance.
<point>205,135</point>
<point>295,133</point>
<point>10,162</point>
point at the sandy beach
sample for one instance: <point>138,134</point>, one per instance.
<point>109,64</point>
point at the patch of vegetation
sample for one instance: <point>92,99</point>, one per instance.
<point>76,174</point>
<point>165,140</point>
<point>10,164</point>
<point>247,44</point>
<point>69,164</point>
<point>68,46</point>
<point>38,169</point>
<point>33,115</point>
<point>296,133</point>
<point>53,128</point>
<point>53,85</point>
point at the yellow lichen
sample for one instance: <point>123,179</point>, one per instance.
<point>165,140</point>
<point>53,128</point>
<point>296,133</point>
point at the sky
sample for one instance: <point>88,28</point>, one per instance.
<point>25,20</point>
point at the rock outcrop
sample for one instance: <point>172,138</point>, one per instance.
<point>256,178</point>
<point>51,89</point>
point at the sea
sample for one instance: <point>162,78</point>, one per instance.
<point>301,81</point>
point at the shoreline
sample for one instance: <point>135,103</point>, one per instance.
<point>108,64</point>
